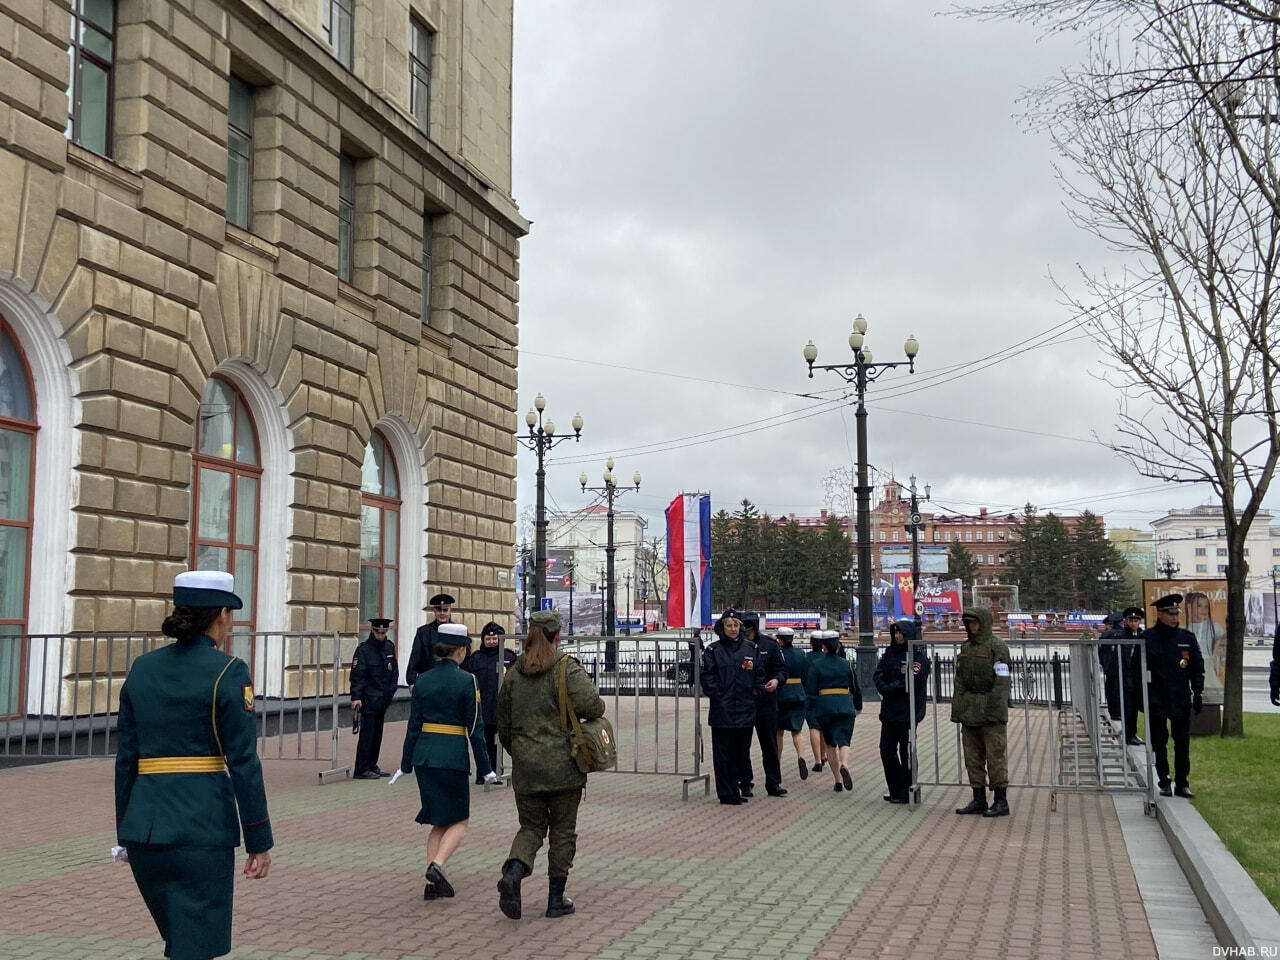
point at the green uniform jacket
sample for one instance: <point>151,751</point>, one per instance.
<point>797,669</point>
<point>445,695</point>
<point>979,696</point>
<point>190,700</point>
<point>830,671</point>
<point>529,725</point>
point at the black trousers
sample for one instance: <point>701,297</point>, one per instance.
<point>731,760</point>
<point>767,735</point>
<point>491,744</point>
<point>1112,687</point>
<point>895,756</point>
<point>1179,727</point>
<point>369,744</point>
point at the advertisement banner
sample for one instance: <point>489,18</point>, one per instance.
<point>896,558</point>
<point>1204,613</point>
<point>940,597</point>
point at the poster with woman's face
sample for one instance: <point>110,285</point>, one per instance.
<point>1204,613</point>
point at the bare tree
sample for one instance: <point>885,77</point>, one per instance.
<point>651,558</point>
<point>1169,155</point>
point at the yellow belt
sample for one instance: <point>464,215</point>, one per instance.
<point>454,728</point>
<point>794,680</point>
<point>826,690</point>
<point>181,765</point>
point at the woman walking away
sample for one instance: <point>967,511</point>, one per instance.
<point>791,698</point>
<point>835,700</point>
<point>444,713</point>
<point>544,776</point>
<point>188,780</point>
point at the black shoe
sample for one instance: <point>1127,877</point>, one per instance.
<point>977,805</point>
<point>838,788</point>
<point>816,768</point>
<point>436,876</point>
<point>513,871</point>
<point>429,891</point>
<point>848,780</point>
<point>777,791</point>
<point>1183,791</point>
<point>897,799</point>
<point>804,768</point>
<point>558,905</point>
<point>367,775</point>
<point>378,771</point>
<point>1134,741</point>
<point>732,801</point>
<point>1001,806</point>
<point>1165,791</point>
<point>747,792</point>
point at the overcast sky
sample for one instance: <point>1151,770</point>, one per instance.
<point>712,183</point>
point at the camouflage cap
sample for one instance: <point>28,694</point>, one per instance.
<point>547,620</point>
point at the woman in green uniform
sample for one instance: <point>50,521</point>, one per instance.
<point>188,780</point>
<point>834,699</point>
<point>444,714</point>
<point>791,698</point>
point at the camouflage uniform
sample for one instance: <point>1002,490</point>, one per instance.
<point>980,704</point>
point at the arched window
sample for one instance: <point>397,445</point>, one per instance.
<point>228,478</point>
<point>17,475</point>
<point>379,531</point>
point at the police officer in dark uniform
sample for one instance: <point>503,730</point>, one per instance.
<point>422,655</point>
<point>1174,692</point>
<point>374,678</point>
<point>775,675</point>
<point>188,780</point>
<point>732,678</point>
<point>1121,675</point>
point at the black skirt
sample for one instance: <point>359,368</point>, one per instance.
<point>188,891</point>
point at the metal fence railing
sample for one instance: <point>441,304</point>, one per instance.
<point>60,694</point>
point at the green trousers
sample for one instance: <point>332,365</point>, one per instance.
<point>986,750</point>
<point>542,813</point>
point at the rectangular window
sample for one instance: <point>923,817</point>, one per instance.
<point>968,536</point>
<point>1222,531</point>
<point>428,234</point>
<point>338,16</point>
<point>1001,559</point>
<point>882,536</point>
<point>1246,551</point>
<point>1222,551</point>
<point>90,91</point>
<point>239,152</point>
<point>1200,551</point>
<point>419,71</point>
<point>895,536</point>
<point>346,215</point>
<point>1222,568</point>
<point>1202,568</point>
<point>991,536</point>
<point>1199,532</point>
<point>990,559</point>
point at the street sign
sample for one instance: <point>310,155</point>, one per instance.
<point>548,603</point>
<point>919,608</point>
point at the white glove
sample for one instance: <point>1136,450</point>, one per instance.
<point>394,777</point>
<point>119,854</point>
<point>490,777</point>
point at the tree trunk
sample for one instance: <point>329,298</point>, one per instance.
<point>1237,577</point>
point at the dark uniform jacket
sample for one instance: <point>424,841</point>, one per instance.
<point>980,697</point>
<point>1176,667</point>
<point>891,680</point>
<point>529,725</point>
<point>830,671</point>
<point>374,674</point>
<point>181,702</point>
<point>792,689</point>
<point>447,697</point>
<point>422,655</point>
<point>483,665</point>
<point>775,665</point>
<point>1112,655</point>
<point>732,679</point>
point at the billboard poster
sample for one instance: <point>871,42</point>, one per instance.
<point>896,558</point>
<point>1204,613</point>
<point>558,563</point>
<point>941,598</point>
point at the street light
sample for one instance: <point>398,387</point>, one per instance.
<point>611,491</point>
<point>600,580</point>
<point>524,586</point>
<point>1168,567</point>
<point>570,565</point>
<point>626,578</point>
<point>1275,608</point>
<point>542,437</point>
<point>1108,579</point>
<point>644,601</point>
<point>915,526</point>
<point>859,373</point>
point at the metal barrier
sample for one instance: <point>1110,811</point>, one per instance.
<point>1057,711</point>
<point>656,710</point>
<point>61,693</point>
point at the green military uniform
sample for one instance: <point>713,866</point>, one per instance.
<point>980,704</point>
<point>188,782</point>
<point>444,714</point>
<point>792,699</point>
<point>829,684</point>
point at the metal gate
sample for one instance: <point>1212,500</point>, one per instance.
<point>653,697</point>
<point>1061,736</point>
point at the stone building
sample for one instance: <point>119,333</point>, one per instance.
<point>258,286</point>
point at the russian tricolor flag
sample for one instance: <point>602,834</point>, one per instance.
<point>689,561</point>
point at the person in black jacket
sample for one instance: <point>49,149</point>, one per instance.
<point>422,655</point>
<point>775,674</point>
<point>374,678</point>
<point>1275,669</point>
<point>895,706</point>
<point>487,664</point>
<point>1175,692</point>
<point>732,678</point>
<point>1119,671</point>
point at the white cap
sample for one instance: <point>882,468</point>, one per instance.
<point>454,629</point>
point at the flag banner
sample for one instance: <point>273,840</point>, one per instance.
<point>689,561</point>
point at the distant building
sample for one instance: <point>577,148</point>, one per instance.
<point>586,534</point>
<point>1138,549</point>
<point>1196,542</point>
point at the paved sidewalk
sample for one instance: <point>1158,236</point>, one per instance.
<point>816,874</point>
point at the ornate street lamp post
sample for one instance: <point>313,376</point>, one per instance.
<point>1108,578</point>
<point>859,373</point>
<point>915,526</point>
<point>542,437</point>
<point>611,491</point>
<point>1168,567</point>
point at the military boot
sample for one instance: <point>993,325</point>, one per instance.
<point>978,804</point>
<point>513,871</point>
<point>558,905</point>
<point>1001,807</point>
